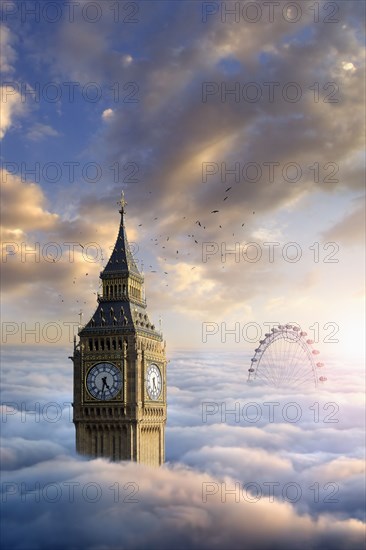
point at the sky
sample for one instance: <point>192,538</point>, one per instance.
<point>238,140</point>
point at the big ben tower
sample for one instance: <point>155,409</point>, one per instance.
<point>120,369</point>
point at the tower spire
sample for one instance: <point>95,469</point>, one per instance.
<point>122,203</point>
<point>121,260</point>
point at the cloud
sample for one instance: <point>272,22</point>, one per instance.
<point>12,107</point>
<point>25,204</point>
<point>41,252</point>
<point>127,60</point>
<point>207,494</point>
<point>350,230</point>
<point>170,502</point>
<point>40,131</point>
<point>11,104</point>
<point>107,114</point>
<point>175,504</point>
<point>347,66</point>
<point>7,53</point>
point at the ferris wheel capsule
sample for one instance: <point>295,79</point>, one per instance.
<point>315,352</point>
<point>261,341</point>
<point>288,327</point>
<point>302,333</point>
<point>257,350</point>
<point>297,329</point>
<point>320,365</point>
<point>310,341</point>
<point>251,370</point>
<point>254,360</point>
<point>267,334</point>
<point>322,379</point>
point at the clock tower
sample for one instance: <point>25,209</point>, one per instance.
<point>120,369</point>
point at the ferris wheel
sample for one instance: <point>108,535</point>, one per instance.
<point>286,358</point>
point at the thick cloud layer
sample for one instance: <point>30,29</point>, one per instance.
<point>238,457</point>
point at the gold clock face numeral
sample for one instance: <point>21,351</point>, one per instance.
<point>153,382</point>
<point>104,381</point>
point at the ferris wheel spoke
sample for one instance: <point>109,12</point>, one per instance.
<point>266,371</point>
<point>296,361</point>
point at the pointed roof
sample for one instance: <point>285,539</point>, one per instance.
<point>121,314</point>
<point>121,260</point>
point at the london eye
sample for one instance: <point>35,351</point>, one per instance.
<point>286,357</point>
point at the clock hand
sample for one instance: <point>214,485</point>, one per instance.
<point>104,380</point>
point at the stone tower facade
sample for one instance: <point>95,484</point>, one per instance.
<point>119,407</point>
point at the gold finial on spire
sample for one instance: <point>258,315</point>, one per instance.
<point>122,202</point>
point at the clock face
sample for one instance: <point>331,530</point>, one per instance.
<point>104,381</point>
<point>153,382</point>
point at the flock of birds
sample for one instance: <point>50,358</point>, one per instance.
<point>166,249</point>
